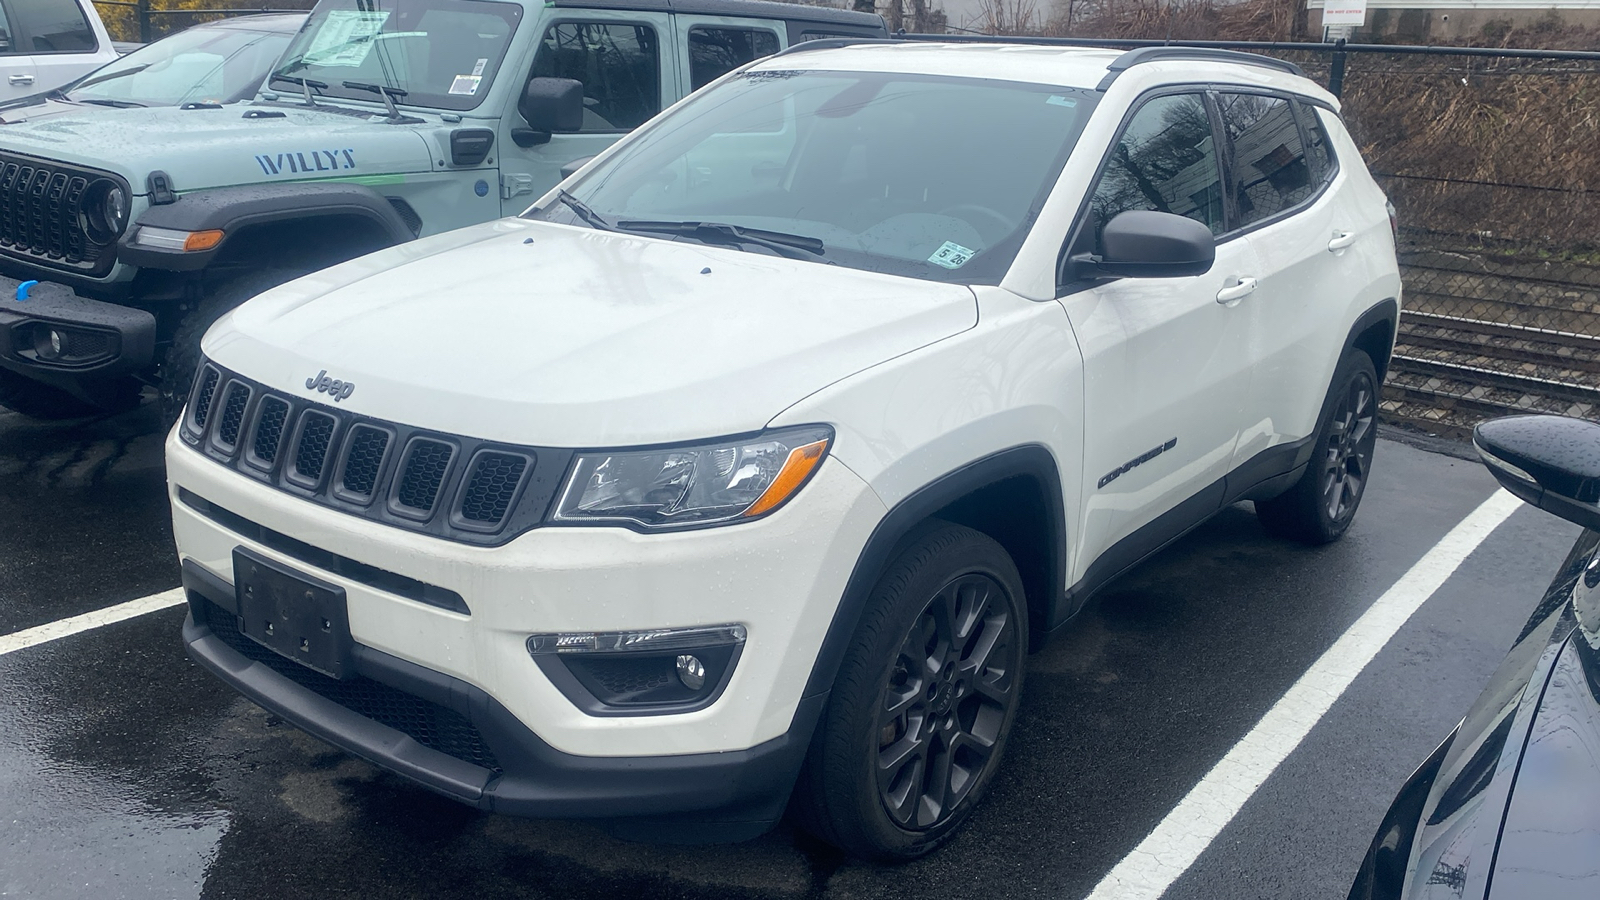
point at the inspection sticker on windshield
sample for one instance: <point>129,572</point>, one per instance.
<point>345,37</point>
<point>466,84</point>
<point>1057,100</point>
<point>478,67</point>
<point>951,255</point>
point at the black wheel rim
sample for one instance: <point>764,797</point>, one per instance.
<point>1352,435</point>
<point>949,694</point>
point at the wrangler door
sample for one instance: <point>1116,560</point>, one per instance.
<point>629,71</point>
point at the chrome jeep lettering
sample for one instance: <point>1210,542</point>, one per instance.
<point>333,387</point>
<point>296,163</point>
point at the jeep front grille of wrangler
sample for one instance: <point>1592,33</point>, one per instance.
<point>450,486</point>
<point>49,214</point>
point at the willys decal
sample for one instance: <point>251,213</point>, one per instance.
<point>300,162</point>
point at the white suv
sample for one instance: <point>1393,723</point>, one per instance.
<point>767,446</point>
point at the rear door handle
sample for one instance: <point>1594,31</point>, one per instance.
<point>21,79</point>
<point>1341,240</point>
<point>1231,295</point>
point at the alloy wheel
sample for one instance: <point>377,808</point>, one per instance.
<point>1352,436</point>
<point>948,696</point>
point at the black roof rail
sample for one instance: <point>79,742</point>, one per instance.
<point>828,44</point>
<point>1198,54</point>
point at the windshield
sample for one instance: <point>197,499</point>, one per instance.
<point>931,177</point>
<point>201,65</point>
<point>441,53</point>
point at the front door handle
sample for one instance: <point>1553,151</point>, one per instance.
<point>21,79</point>
<point>1231,295</point>
<point>1341,240</point>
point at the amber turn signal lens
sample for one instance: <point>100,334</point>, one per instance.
<point>202,240</point>
<point>796,469</point>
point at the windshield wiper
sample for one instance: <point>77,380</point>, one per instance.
<point>779,242</point>
<point>589,216</point>
<point>306,84</point>
<point>389,94</point>
<point>110,76</point>
<point>118,104</point>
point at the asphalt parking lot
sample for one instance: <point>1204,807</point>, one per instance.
<point>125,771</point>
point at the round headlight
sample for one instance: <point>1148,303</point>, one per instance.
<point>114,209</point>
<point>105,206</point>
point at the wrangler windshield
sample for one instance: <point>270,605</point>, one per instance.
<point>930,177</point>
<point>441,53</point>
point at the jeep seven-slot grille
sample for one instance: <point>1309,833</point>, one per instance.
<point>365,459</point>
<point>492,485</point>
<point>422,473</point>
<point>452,486</point>
<point>269,429</point>
<point>46,210</point>
<point>233,404</point>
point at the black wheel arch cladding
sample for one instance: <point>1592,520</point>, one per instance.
<point>974,495</point>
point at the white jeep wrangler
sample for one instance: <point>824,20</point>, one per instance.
<point>766,446</point>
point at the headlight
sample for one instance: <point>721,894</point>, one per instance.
<point>676,487</point>
<point>106,207</point>
<point>115,209</point>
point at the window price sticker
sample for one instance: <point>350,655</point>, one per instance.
<point>951,255</point>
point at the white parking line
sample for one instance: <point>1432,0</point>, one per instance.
<point>1195,822</point>
<point>54,631</point>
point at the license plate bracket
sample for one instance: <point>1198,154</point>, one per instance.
<point>292,614</point>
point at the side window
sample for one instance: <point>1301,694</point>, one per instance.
<point>1323,165</point>
<point>618,63</point>
<point>1268,162</point>
<point>53,26</point>
<point>714,52</point>
<point>8,44</point>
<point>1165,161</point>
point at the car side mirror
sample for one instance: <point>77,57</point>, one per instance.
<point>1553,462</point>
<point>549,106</point>
<point>1142,243</point>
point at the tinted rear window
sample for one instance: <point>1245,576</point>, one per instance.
<point>52,26</point>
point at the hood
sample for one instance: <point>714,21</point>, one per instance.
<point>202,148</point>
<point>552,335</point>
<point>42,107</point>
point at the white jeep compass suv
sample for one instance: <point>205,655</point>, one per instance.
<point>751,462</point>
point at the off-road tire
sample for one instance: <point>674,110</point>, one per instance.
<point>46,403</point>
<point>1320,506</point>
<point>841,798</point>
<point>183,354</point>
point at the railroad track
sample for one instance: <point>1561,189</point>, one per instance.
<point>1449,373</point>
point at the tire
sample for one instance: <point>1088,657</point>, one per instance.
<point>1319,508</point>
<point>918,700</point>
<point>41,401</point>
<point>183,354</point>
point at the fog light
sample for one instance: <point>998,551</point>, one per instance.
<point>692,672</point>
<point>55,341</point>
<point>631,672</point>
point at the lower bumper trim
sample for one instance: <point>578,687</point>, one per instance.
<point>727,796</point>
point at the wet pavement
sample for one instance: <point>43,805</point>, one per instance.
<point>125,771</point>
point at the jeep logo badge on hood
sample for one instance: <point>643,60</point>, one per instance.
<point>333,387</point>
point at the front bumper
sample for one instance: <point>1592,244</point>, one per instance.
<point>101,340</point>
<point>481,754</point>
<point>780,577</point>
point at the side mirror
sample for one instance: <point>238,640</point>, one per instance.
<point>549,106</point>
<point>1553,462</point>
<point>1142,243</point>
